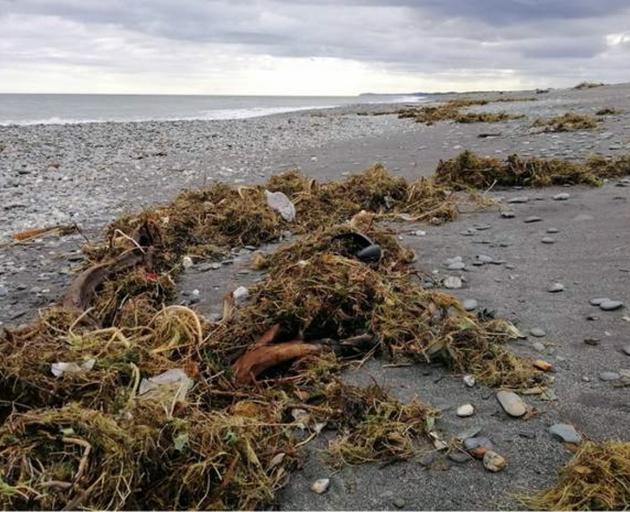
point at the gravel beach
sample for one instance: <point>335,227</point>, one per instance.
<point>92,173</point>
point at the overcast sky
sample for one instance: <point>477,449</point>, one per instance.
<point>309,47</point>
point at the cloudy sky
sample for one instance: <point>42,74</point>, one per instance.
<point>309,47</point>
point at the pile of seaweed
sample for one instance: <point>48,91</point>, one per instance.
<point>452,111</point>
<point>471,170</point>
<point>207,222</point>
<point>588,85</point>
<point>596,478</point>
<point>569,122</point>
<point>118,398</point>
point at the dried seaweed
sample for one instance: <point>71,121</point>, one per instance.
<point>569,122</point>
<point>596,478</point>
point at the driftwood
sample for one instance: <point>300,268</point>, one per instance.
<point>262,356</point>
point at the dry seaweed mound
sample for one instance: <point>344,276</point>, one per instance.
<point>568,122</point>
<point>471,170</point>
<point>452,111</point>
<point>588,85</point>
<point>608,111</point>
<point>596,478</point>
<point>609,167</point>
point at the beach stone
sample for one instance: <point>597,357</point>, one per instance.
<point>320,486</point>
<point>428,458</point>
<point>4,291</point>
<point>548,240</point>
<point>512,403</point>
<point>553,230</point>
<point>598,300</point>
<point>472,443</point>
<point>458,265</point>
<point>626,349</point>
<point>507,214</point>
<point>565,432</point>
<point>452,282</point>
<point>470,381</point>
<point>538,346</point>
<point>459,456</point>
<point>609,376</point>
<point>562,196</point>
<point>592,341</point>
<point>485,259</point>
<point>463,411</point>
<point>187,262</point>
<point>455,259</point>
<point>537,332</point>
<point>240,294</point>
<point>493,462</point>
<point>531,219</point>
<point>482,227</point>
<point>555,288</point>
<point>470,304</point>
<point>399,502</point>
<point>518,200</point>
<point>610,305</point>
<point>419,233</point>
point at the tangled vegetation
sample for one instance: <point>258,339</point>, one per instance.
<point>588,85</point>
<point>471,170</point>
<point>118,398</point>
<point>569,122</point>
<point>596,478</point>
<point>452,111</point>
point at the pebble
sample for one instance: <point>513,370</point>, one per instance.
<point>470,304</point>
<point>463,411</point>
<point>553,230</point>
<point>478,446</point>
<point>565,432</point>
<point>482,227</point>
<point>592,341</point>
<point>610,305</point>
<point>531,219</point>
<point>518,200</point>
<point>4,291</point>
<point>512,403</point>
<point>608,376</point>
<point>493,462</point>
<point>598,300</point>
<point>548,240</point>
<point>562,196</point>
<point>240,294</point>
<point>470,381</point>
<point>507,214</point>
<point>626,350</point>
<point>555,288</point>
<point>458,265</point>
<point>453,282</point>
<point>485,259</point>
<point>419,233</point>
<point>459,456</point>
<point>538,346</point>
<point>320,486</point>
<point>187,262</point>
<point>537,332</point>
<point>399,503</point>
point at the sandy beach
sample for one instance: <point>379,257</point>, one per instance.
<point>90,174</point>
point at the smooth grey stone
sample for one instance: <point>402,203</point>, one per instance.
<point>470,304</point>
<point>565,432</point>
<point>458,265</point>
<point>626,350</point>
<point>4,291</point>
<point>538,346</point>
<point>482,227</point>
<point>485,259</point>
<point>519,199</point>
<point>610,305</point>
<point>553,230</point>
<point>512,403</point>
<point>453,282</point>
<point>598,300</point>
<point>473,443</point>
<point>459,457</point>
<point>537,332</point>
<point>608,376</point>
<point>531,219</point>
<point>562,196</point>
<point>555,288</point>
<point>507,215</point>
<point>548,240</point>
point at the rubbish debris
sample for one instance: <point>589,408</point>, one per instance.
<point>60,368</point>
<point>279,202</point>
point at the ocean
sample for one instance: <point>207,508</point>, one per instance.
<point>25,109</point>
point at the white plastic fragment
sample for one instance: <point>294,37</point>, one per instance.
<point>168,387</point>
<point>58,369</point>
<point>279,202</point>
